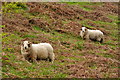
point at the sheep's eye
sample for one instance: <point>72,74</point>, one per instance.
<point>28,45</point>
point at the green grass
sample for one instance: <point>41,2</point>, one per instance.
<point>44,17</point>
<point>22,74</point>
<point>14,7</point>
<point>104,23</point>
<point>105,55</point>
<point>35,13</point>
<point>1,26</point>
<point>36,28</point>
<point>79,45</point>
<point>38,15</point>
<point>113,17</point>
<point>45,71</point>
<point>106,75</point>
<point>18,33</point>
<point>8,50</point>
<point>110,43</point>
<point>114,33</point>
<point>17,68</point>
<point>76,59</point>
<point>83,3</point>
<point>102,53</point>
<point>86,9</point>
<point>79,54</point>
<point>61,75</point>
<point>10,57</point>
<point>66,21</point>
<point>93,67</point>
<point>13,70</point>
<point>85,23</point>
<point>8,38</point>
<point>29,36</point>
<point>100,23</point>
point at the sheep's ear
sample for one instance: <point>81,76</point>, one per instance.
<point>29,44</point>
<point>85,29</point>
<point>21,43</point>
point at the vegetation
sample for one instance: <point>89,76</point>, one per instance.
<point>75,57</point>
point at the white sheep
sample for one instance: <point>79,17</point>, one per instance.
<point>39,51</point>
<point>24,52</point>
<point>95,35</point>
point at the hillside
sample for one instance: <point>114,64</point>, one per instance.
<point>59,24</point>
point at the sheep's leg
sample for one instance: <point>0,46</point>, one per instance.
<point>47,59</point>
<point>28,62</point>
<point>102,39</point>
<point>34,57</point>
<point>25,59</point>
<point>86,37</point>
<point>51,56</point>
<point>99,39</point>
<point>35,61</point>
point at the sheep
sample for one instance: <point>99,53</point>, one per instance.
<point>39,51</point>
<point>95,35</point>
<point>24,53</point>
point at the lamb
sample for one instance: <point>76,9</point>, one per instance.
<point>38,51</point>
<point>95,35</point>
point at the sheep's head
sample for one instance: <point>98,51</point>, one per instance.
<point>83,29</point>
<point>83,32</point>
<point>26,45</point>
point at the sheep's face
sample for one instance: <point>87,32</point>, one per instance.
<point>26,45</point>
<point>83,32</point>
<point>83,29</point>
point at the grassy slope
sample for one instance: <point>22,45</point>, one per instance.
<point>73,55</point>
